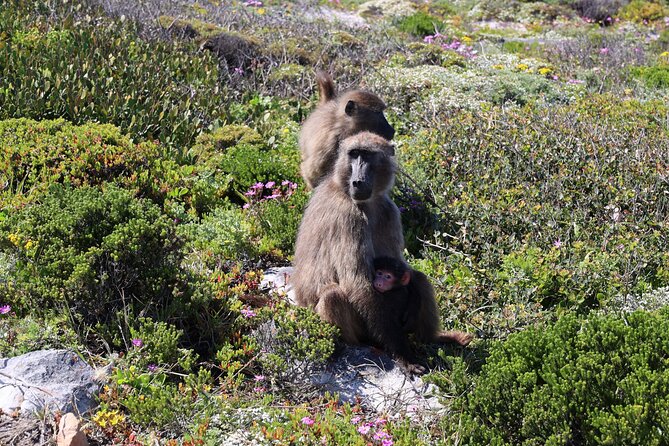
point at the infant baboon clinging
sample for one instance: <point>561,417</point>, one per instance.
<point>349,221</point>
<point>391,280</point>
<point>335,118</point>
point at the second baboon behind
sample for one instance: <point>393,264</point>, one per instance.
<point>349,221</point>
<point>336,117</point>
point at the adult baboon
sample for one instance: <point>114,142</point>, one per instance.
<point>349,221</point>
<point>335,118</point>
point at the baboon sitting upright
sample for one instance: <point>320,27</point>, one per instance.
<point>349,221</point>
<point>335,118</point>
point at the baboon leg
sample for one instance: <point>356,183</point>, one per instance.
<point>333,307</point>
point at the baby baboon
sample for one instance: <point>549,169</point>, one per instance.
<point>391,277</point>
<point>335,118</point>
<point>349,221</point>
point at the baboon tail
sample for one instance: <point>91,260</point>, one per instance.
<point>459,337</point>
<point>326,87</point>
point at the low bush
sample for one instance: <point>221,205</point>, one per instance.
<point>35,155</point>
<point>597,381</point>
<point>91,253</point>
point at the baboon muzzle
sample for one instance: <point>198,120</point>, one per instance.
<point>362,180</point>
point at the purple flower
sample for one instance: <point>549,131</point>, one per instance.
<point>258,389</point>
<point>259,378</point>
<point>270,184</point>
<point>557,243</point>
<point>382,435</point>
<point>274,196</point>
<point>239,70</point>
<point>388,442</point>
<point>258,185</point>
<point>307,421</point>
<point>5,309</point>
<point>355,420</point>
<point>604,51</point>
<point>137,342</point>
<point>250,192</point>
<point>380,422</point>
<point>285,183</point>
<point>246,206</point>
<point>428,39</point>
<point>248,313</point>
<point>152,368</point>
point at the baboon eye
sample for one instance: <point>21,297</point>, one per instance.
<point>388,277</point>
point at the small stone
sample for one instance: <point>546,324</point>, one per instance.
<point>69,433</point>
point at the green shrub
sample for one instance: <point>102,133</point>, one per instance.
<point>19,335</point>
<point>654,77</point>
<point>419,24</point>
<point>597,381</point>
<point>99,70</point>
<point>90,252</point>
<point>296,341</point>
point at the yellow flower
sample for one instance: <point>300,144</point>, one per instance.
<point>498,67</point>
<point>260,11</point>
<point>467,40</point>
<point>14,239</point>
<point>29,244</point>
<point>522,67</point>
<point>665,54</point>
<point>545,70</point>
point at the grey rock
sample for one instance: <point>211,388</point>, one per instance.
<point>277,281</point>
<point>47,380</point>
<point>366,375</point>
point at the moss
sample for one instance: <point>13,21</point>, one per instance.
<point>289,73</point>
<point>190,28</point>
<point>292,49</point>
<point>207,144</point>
<point>426,54</point>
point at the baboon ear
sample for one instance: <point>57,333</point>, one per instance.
<point>406,278</point>
<point>350,107</point>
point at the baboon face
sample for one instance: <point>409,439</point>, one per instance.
<point>366,111</point>
<point>366,166</point>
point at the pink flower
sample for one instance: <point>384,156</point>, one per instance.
<point>250,192</point>
<point>270,184</point>
<point>355,420</point>
<point>604,51</point>
<point>258,185</point>
<point>137,342</point>
<point>259,378</point>
<point>152,368</point>
<point>285,183</point>
<point>239,70</point>
<point>557,243</point>
<point>382,435</point>
<point>5,309</point>
<point>307,421</point>
<point>246,206</point>
<point>248,313</point>
<point>259,389</point>
<point>428,39</point>
<point>388,442</point>
<point>364,429</point>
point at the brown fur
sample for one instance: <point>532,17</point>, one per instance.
<point>335,118</point>
<point>338,240</point>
